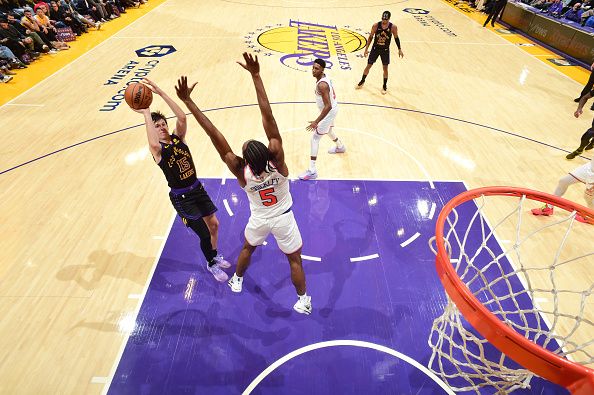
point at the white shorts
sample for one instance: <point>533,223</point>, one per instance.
<point>328,122</point>
<point>284,228</point>
<point>584,174</point>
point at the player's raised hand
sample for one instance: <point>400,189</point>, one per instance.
<point>152,86</point>
<point>183,90</point>
<point>142,110</point>
<point>251,63</point>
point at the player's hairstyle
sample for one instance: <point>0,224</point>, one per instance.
<point>321,62</point>
<point>257,156</point>
<point>386,15</point>
<point>155,116</point>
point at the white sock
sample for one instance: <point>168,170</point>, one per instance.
<point>303,297</point>
<point>315,144</point>
<point>237,277</point>
<point>335,139</point>
<point>312,166</point>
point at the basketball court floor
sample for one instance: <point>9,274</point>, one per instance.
<point>105,291</point>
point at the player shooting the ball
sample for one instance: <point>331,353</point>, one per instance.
<point>187,194</point>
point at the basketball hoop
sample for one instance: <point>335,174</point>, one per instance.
<point>512,296</point>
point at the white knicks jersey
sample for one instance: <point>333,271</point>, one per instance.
<point>319,100</point>
<point>269,194</point>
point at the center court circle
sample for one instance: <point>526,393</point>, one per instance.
<point>284,39</point>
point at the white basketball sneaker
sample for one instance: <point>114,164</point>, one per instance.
<point>303,305</point>
<point>337,150</point>
<point>235,283</point>
<point>308,175</point>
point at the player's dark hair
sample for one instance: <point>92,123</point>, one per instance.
<point>321,62</point>
<point>386,15</point>
<point>257,156</point>
<point>156,115</point>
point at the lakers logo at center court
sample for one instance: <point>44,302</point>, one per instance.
<point>300,43</point>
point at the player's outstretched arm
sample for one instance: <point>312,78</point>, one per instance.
<point>581,104</point>
<point>275,142</point>
<point>151,134</point>
<point>180,115</point>
<point>232,161</point>
<point>251,64</point>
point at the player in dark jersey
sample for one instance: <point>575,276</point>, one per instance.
<point>187,194</point>
<point>496,11</point>
<point>381,33</point>
<point>587,139</point>
<point>588,87</point>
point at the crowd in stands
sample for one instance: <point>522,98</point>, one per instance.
<point>31,28</point>
<point>579,11</point>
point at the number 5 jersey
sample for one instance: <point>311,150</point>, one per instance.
<point>268,193</point>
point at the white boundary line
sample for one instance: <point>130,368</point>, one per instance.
<point>137,310</point>
<point>353,343</point>
<point>364,258</point>
<point>410,240</point>
<point>226,204</point>
<point>311,258</point>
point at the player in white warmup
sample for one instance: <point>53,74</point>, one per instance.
<point>583,174</point>
<point>328,106</point>
<point>263,175</point>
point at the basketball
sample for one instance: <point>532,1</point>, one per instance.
<point>138,96</point>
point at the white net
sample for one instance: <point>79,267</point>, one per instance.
<point>533,273</point>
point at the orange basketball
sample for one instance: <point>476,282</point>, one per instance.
<point>138,96</point>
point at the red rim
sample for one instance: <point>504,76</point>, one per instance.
<point>575,377</point>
